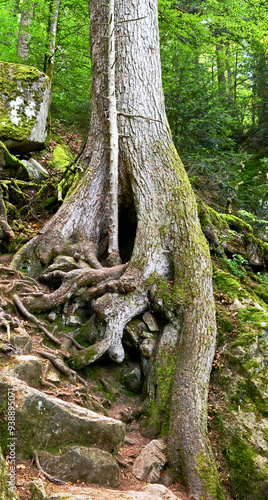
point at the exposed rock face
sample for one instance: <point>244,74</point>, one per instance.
<point>151,460</point>
<point>241,399</point>
<point>45,422</point>
<point>24,106</point>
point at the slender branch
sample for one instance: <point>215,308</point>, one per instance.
<point>113,247</point>
<point>130,20</point>
<point>127,115</point>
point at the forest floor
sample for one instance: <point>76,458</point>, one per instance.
<point>124,407</point>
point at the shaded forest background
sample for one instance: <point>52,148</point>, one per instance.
<point>215,72</point>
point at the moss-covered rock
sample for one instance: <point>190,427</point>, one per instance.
<point>240,381</point>
<point>78,463</point>
<point>44,422</point>
<point>26,368</point>
<point>62,157</point>
<point>24,107</point>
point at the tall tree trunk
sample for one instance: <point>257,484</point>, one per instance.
<point>24,36</point>
<point>53,23</point>
<point>169,267</point>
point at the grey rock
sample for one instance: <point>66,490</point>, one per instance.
<point>25,98</point>
<point>133,380</point>
<point>148,464</point>
<point>158,492</point>
<point>80,463</point>
<point>45,422</point>
<point>148,492</point>
<point>35,170</point>
<point>73,320</point>
<point>150,321</point>
<point>147,347</point>
<point>133,331</point>
<point>52,316</point>
<point>37,489</point>
<point>27,368</point>
<point>21,340</point>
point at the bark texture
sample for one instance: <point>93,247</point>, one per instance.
<point>169,267</point>
<point>24,36</point>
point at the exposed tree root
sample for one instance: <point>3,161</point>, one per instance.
<point>71,282</point>
<point>50,478</point>
<point>31,317</point>
<point>115,311</point>
<point>59,364</point>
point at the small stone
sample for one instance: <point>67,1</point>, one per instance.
<point>133,380</point>
<point>37,489</point>
<point>51,316</point>
<point>147,347</point>
<point>73,320</point>
<point>148,464</point>
<point>151,322</point>
<point>35,169</point>
<point>52,374</point>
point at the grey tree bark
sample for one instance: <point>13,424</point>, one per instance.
<point>24,36</point>
<point>53,23</point>
<point>169,265</point>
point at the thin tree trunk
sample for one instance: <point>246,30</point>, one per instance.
<point>113,247</point>
<point>169,266</point>
<point>24,36</point>
<point>53,23</point>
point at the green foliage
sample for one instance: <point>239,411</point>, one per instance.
<point>236,265</point>
<point>72,68</point>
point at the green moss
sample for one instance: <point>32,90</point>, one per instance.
<point>225,326</point>
<point>210,477</point>
<point>158,409</point>
<point>62,156</point>
<point>240,456</point>
<point>209,217</point>
<point>237,224</point>
<point>85,358</point>
<point>251,324</point>
<point>226,283</point>
<point>10,75</point>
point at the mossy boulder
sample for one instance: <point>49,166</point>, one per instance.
<point>44,422</point>
<point>78,463</point>
<point>26,368</point>
<point>24,107</point>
